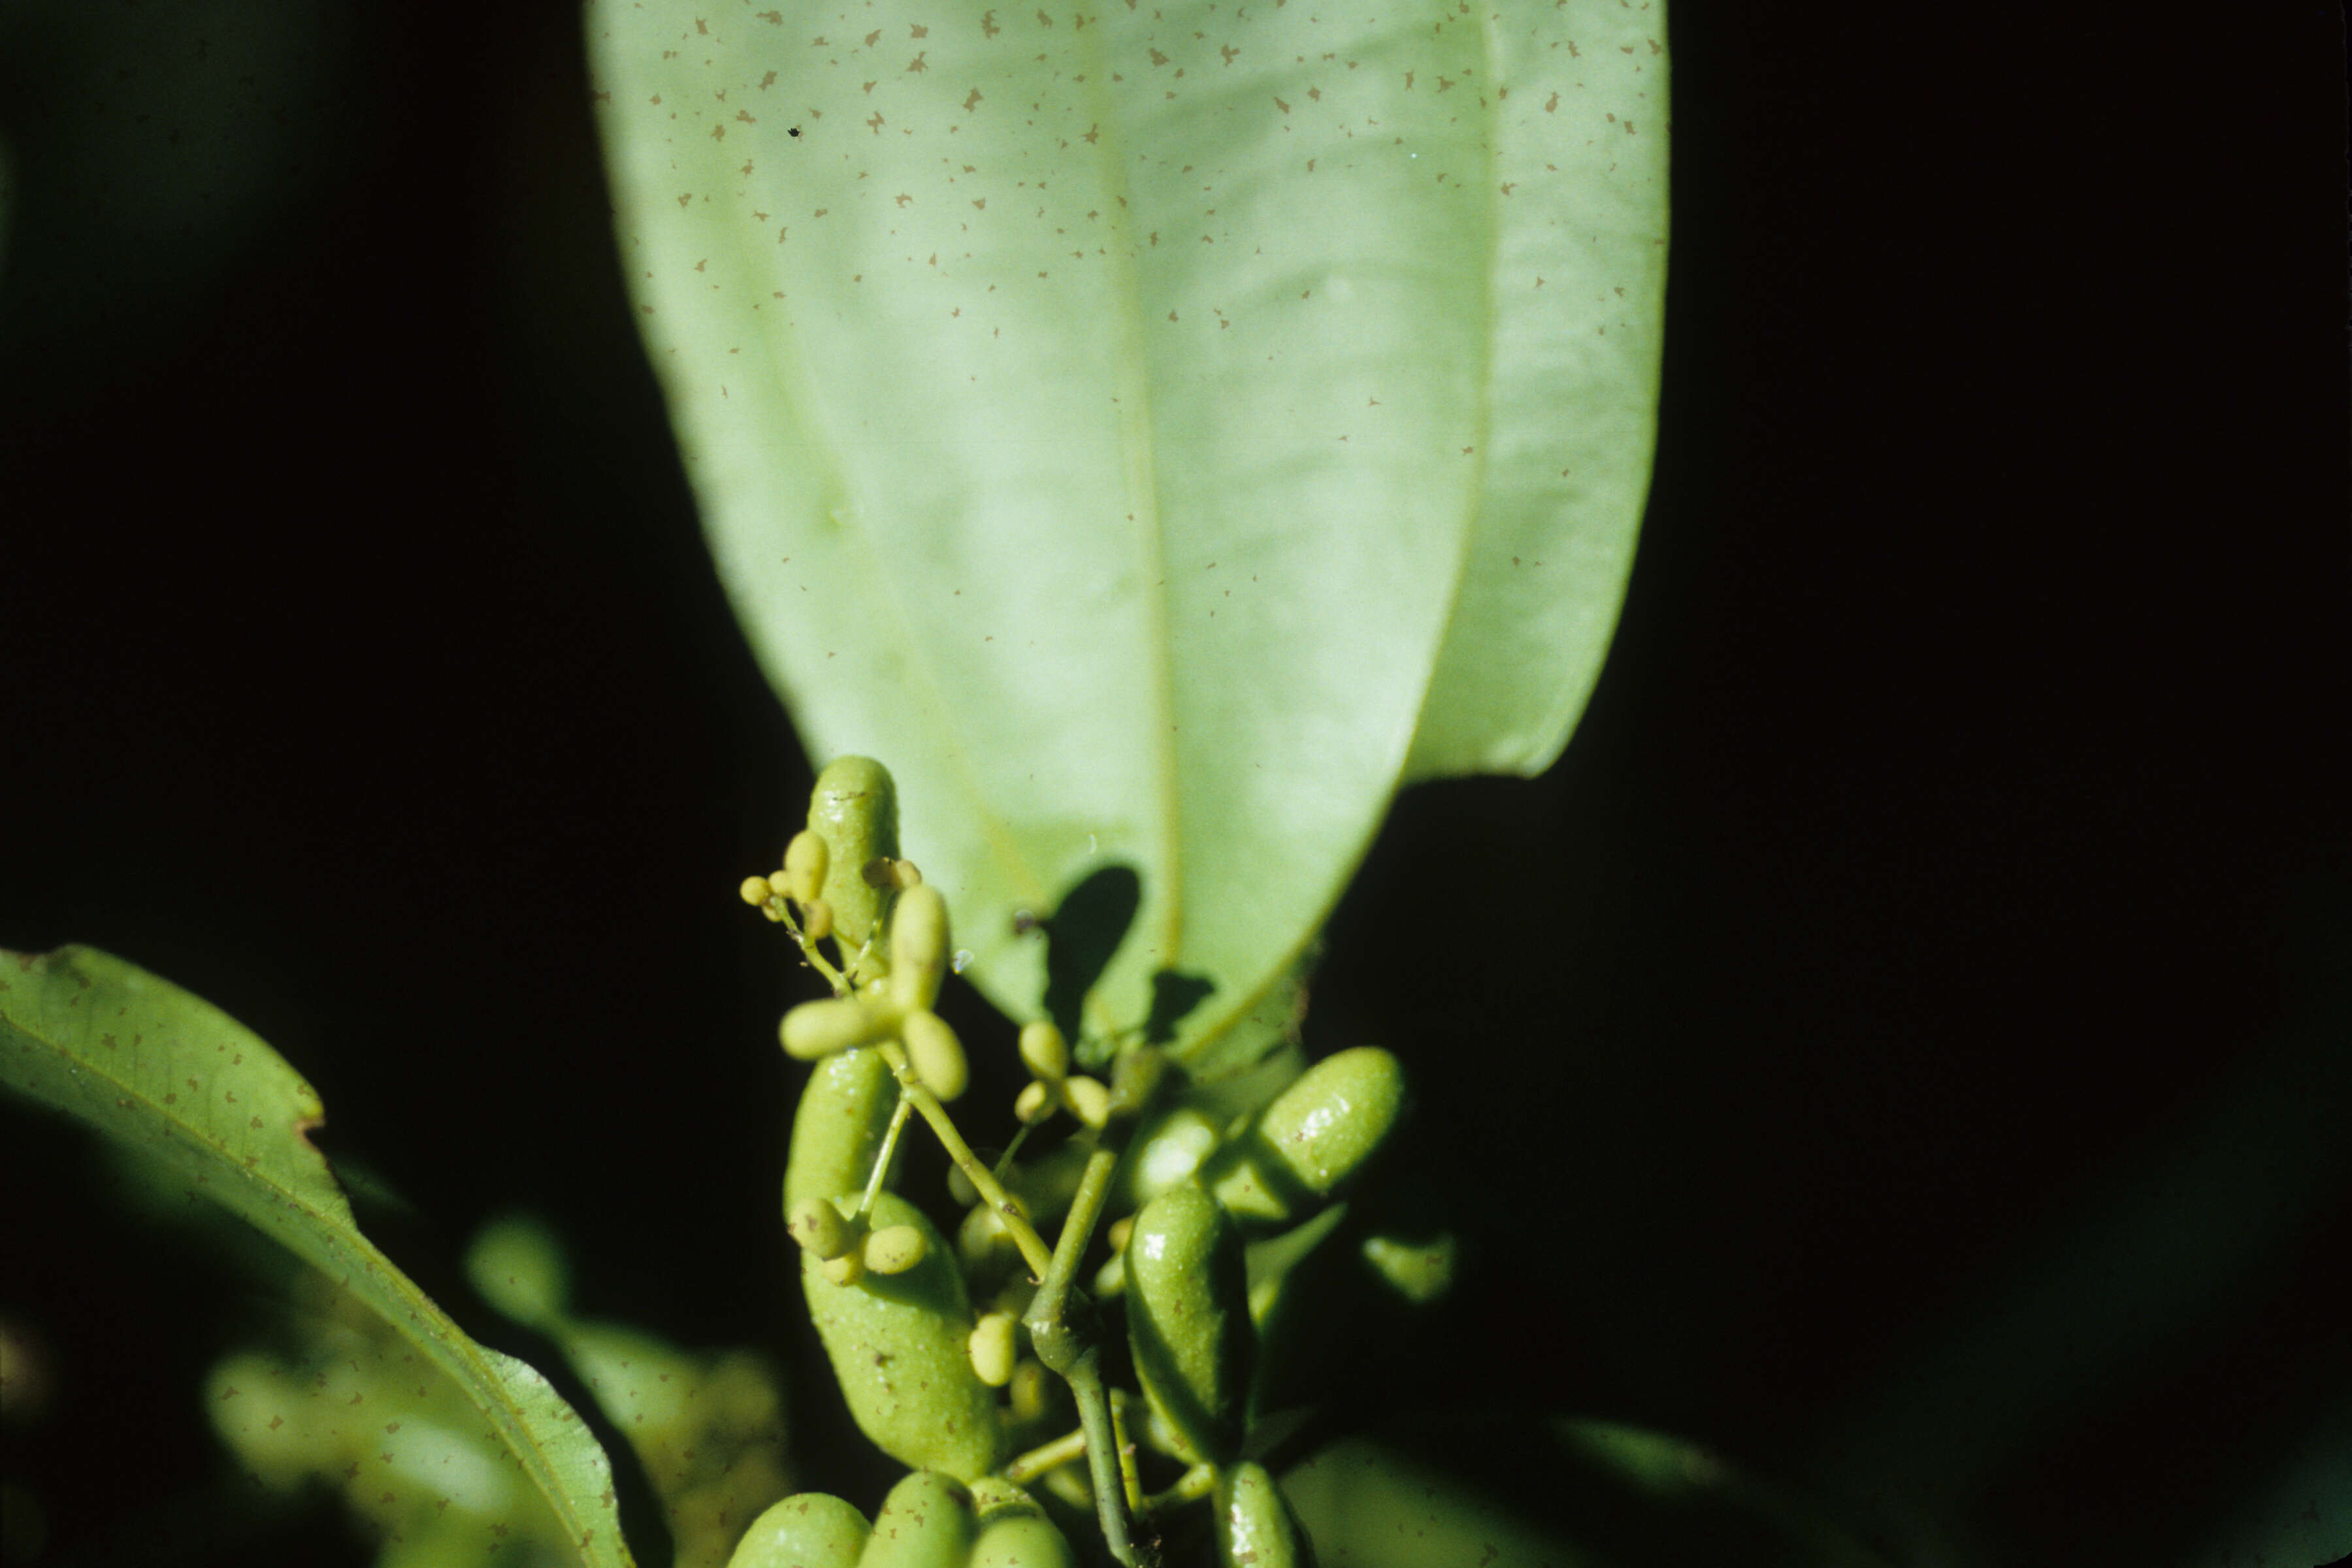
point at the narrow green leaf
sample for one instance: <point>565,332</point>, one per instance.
<point>173,1078</point>
<point>1155,432</point>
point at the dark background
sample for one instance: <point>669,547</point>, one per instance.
<point>1913,1020</point>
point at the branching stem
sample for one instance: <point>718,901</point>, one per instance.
<point>1024,1235</point>
<point>1047,1457</point>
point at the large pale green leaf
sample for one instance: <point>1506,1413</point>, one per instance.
<point>198,1095</point>
<point>1155,430</point>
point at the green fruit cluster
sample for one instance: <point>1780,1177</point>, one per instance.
<point>928,1520</point>
<point>1212,1207</point>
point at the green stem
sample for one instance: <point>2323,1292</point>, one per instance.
<point>1068,1347</point>
<point>1086,1382</point>
<point>883,1156</point>
<point>992,1191</point>
<point>1057,1280</point>
<point>816,960</point>
<point>1129,1482</point>
<point>1047,1457</point>
<point>1197,1483</point>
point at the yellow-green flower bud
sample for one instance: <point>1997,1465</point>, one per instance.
<point>1033,1104</point>
<point>847,1270</point>
<point>982,1241</point>
<point>1032,1390</point>
<point>816,915</point>
<point>1045,1051</point>
<point>821,1230</point>
<point>935,1054</point>
<point>1089,1099</point>
<point>754,891</point>
<point>919,947</point>
<point>894,1249</point>
<point>994,1348</point>
<point>805,860</point>
<point>817,1029</point>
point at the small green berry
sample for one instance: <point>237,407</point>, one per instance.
<point>810,1530</point>
<point>927,1521</point>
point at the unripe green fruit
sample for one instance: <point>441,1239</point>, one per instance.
<point>927,1521</point>
<point>919,947</point>
<point>844,1113</point>
<point>1167,1148</point>
<point>1317,1133</point>
<point>1254,1526</point>
<point>900,1348</point>
<point>1188,1320</point>
<point>1330,1122</point>
<point>855,809</point>
<point>808,1531</point>
<point>1019,1535</point>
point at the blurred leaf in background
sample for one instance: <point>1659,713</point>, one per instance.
<point>221,1118</point>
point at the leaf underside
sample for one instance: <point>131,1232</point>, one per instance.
<point>1158,432</point>
<point>200,1098</point>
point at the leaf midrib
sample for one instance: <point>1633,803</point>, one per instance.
<point>1142,471</point>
